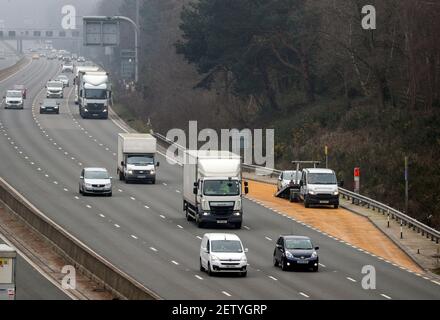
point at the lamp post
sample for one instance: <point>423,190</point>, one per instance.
<point>136,44</point>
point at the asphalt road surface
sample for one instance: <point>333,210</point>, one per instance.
<point>142,228</point>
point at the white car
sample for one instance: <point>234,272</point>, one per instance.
<point>223,252</point>
<point>64,79</point>
<point>288,177</point>
<point>14,99</point>
<point>67,68</point>
<point>95,181</point>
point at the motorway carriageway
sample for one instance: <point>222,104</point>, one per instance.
<point>142,229</point>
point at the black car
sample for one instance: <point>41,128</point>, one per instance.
<point>50,106</point>
<point>295,251</point>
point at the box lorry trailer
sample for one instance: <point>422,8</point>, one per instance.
<point>94,94</point>
<point>212,188</point>
<point>137,157</point>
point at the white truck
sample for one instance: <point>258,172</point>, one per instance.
<point>54,89</point>
<point>212,188</point>
<point>14,99</point>
<point>78,69</point>
<point>94,94</point>
<point>137,157</point>
<point>319,187</point>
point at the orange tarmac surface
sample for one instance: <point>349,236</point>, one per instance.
<point>339,223</point>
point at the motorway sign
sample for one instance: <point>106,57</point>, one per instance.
<point>101,31</point>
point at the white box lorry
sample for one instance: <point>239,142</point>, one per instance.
<point>137,157</point>
<point>212,188</point>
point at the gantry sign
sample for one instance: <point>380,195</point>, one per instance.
<point>32,34</point>
<point>101,31</point>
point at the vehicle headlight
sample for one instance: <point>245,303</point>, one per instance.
<point>214,258</point>
<point>86,110</point>
<point>238,205</point>
<point>108,185</point>
<point>205,205</point>
<point>237,213</point>
<point>88,185</point>
<point>105,110</point>
<point>335,193</point>
<point>206,214</point>
<point>130,171</point>
<point>151,171</point>
<point>243,259</point>
<point>314,254</point>
<point>312,192</point>
<point>289,255</point>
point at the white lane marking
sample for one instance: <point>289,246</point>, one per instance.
<point>351,279</point>
<point>119,190</point>
<point>175,262</point>
<point>101,215</point>
<point>322,265</point>
<point>385,296</point>
<point>198,277</point>
<point>65,189</point>
<point>55,182</point>
<point>164,184</point>
<point>246,227</point>
<point>133,198</point>
<point>304,295</point>
<point>153,249</point>
<point>177,191</point>
<point>179,226</point>
<point>76,197</point>
<point>162,216</point>
<point>273,278</point>
<point>89,206</point>
<point>134,237</point>
<point>267,238</point>
<point>226,294</point>
<point>117,225</point>
<point>198,237</point>
<point>437,283</point>
<point>146,207</point>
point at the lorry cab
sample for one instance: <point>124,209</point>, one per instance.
<point>319,187</point>
<point>213,188</point>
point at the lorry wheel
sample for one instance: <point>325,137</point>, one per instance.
<point>336,206</point>
<point>188,217</point>
<point>306,203</point>
<point>243,274</point>
<point>198,222</point>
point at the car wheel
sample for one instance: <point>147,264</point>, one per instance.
<point>80,191</point>
<point>306,203</point>
<point>315,269</point>
<point>238,225</point>
<point>188,217</point>
<point>110,194</point>
<point>209,270</point>
<point>336,206</point>
<point>153,181</point>
<point>283,265</point>
<point>243,274</point>
<point>201,266</point>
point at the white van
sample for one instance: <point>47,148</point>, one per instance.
<point>319,187</point>
<point>223,252</point>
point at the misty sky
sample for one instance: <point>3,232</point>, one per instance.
<point>41,13</point>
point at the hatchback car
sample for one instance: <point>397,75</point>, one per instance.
<point>295,251</point>
<point>49,106</point>
<point>95,181</point>
<point>222,252</point>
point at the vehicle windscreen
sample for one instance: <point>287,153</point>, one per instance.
<point>14,94</point>
<point>62,78</point>
<point>96,175</point>
<point>140,160</point>
<point>321,178</point>
<point>55,85</point>
<point>221,188</point>
<point>298,244</point>
<point>226,246</point>
<point>291,175</point>
<point>96,94</point>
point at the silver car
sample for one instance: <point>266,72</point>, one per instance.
<point>64,79</point>
<point>288,177</point>
<point>95,181</point>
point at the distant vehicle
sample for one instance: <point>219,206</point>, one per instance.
<point>54,89</point>
<point>81,59</point>
<point>94,94</point>
<point>295,251</point>
<point>51,56</point>
<point>136,157</point>
<point>42,55</point>
<point>320,187</point>
<point>49,106</point>
<point>67,68</point>
<point>14,99</point>
<point>288,177</point>
<point>64,79</point>
<point>212,188</point>
<point>35,56</point>
<point>95,181</point>
<point>67,58</point>
<point>222,252</point>
<point>74,57</point>
<point>21,88</point>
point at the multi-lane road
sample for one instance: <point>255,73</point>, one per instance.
<point>142,228</point>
